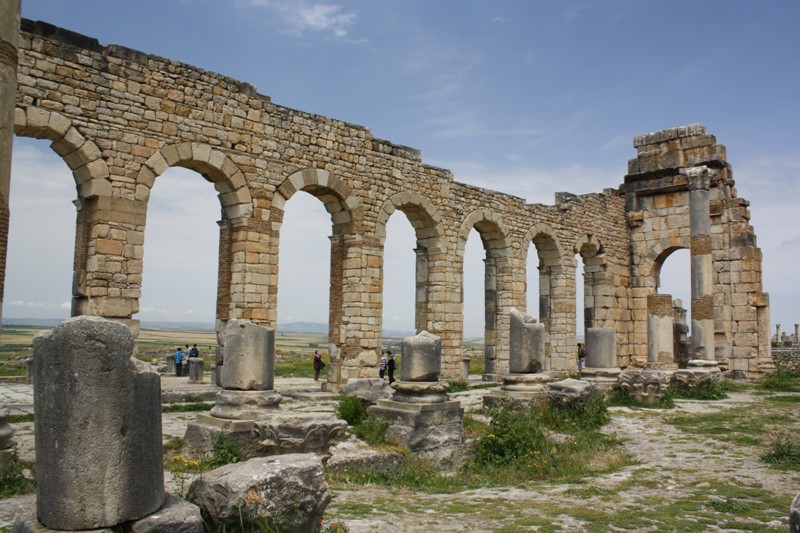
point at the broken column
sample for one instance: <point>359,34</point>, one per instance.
<point>601,367</point>
<point>248,408</point>
<point>98,427</point>
<point>660,331</point>
<point>421,415</point>
<point>526,360</point>
<point>196,370</point>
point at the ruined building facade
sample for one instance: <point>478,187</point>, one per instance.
<point>119,118</point>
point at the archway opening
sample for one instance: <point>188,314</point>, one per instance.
<point>583,305</point>
<point>474,301</point>
<point>180,259</point>
<point>400,295</point>
<point>673,277</point>
<point>41,236</point>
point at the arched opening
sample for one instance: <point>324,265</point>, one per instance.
<point>532,282</point>
<point>304,263</point>
<point>401,273</point>
<point>673,276</point>
<point>41,236</point>
<point>474,314</point>
<point>180,262</point>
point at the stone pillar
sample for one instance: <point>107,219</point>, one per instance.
<point>701,263</point>
<point>170,365</point>
<point>526,346</point>
<point>421,298</point>
<point>98,427</point>
<point>490,321</point>
<point>601,348</point>
<point>797,333</point>
<point>195,370</point>
<point>249,356</point>
<point>660,330</point>
<point>421,415</point>
<point>9,43</point>
<point>777,333</point>
<point>422,358</point>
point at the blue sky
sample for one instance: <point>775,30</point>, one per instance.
<point>524,97</point>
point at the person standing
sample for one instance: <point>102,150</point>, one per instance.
<point>581,356</point>
<point>390,365</point>
<point>382,369</point>
<point>178,361</point>
<point>318,364</point>
<point>193,351</point>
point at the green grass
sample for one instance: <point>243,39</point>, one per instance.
<point>13,481</point>
<point>783,380</point>
<point>191,407</point>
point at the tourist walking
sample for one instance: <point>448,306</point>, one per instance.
<point>382,369</point>
<point>390,364</point>
<point>318,364</point>
<point>178,361</point>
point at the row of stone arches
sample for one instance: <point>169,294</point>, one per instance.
<point>95,194</point>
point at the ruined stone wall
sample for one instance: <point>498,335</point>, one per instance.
<point>658,211</point>
<point>119,118</point>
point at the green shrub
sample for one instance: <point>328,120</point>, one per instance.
<point>226,451</point>
<point>351,409</point>
<point>372,429</point>
<point>457,386</point>
<point>12,480</point>
<point>711,391</point>
<point>187,407</point>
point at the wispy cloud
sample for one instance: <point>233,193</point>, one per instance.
<point>40,305</point>
<point>299,18</point>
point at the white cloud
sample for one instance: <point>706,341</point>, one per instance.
<point>299,17</point>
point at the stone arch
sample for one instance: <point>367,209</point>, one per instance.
<point>426,221</point>
<point>93,185</point>
<point>214,165</point>
<point>490,227</point>
<point>553,303</point>
<point>498,285</point>
<point>345,211</point>
<point>81,155</point>
<point>595,282</point>
<point>424,217</point>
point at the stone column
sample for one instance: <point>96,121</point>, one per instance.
<point>777,333</point>
<point>660,330</point>
<point>249,356</point>
<point>601,348</point>
<point>9,43</point>
<point>490,311</point>
<point>526,346</point>
<point>421,298</point>
<point>797,333</point>
<point>422,358</point>
<point>701,263</point>
<point>98,427</point>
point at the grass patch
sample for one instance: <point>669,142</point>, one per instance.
<point>784,450</point>
<point>372,429</point>
<point>783,380</point>
<point>191,407</point>
<point>741,425</point>
<point>18,419</point>
<point>351,409</point>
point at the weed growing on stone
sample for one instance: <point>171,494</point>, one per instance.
<point>15,479</point>
<point>351,409</point>
<point>226,451</point>
<point>618,397</point>
<point>711,391</point>
<point>372,429</point>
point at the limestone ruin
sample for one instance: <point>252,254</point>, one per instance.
<point>119,118</point>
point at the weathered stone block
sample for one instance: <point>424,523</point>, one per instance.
<point>249,356</point>
<point>422,358</point>
<point>288,490</point>
<point>97,411</point>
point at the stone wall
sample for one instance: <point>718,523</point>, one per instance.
<point>119,118</point>
<point>787,358</point>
